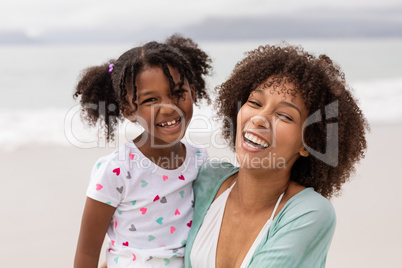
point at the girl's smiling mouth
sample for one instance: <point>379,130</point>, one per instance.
<point>170,123</point>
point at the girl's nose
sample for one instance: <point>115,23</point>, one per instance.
<point>168,108</point>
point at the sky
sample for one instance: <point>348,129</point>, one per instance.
<point>34,18</point>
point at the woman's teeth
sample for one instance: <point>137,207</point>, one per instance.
<point>254,142</point>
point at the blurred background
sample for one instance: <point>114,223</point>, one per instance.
<point>46,153</point>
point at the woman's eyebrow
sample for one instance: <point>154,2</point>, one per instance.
<point>260,91</point>
<point>290,105</point>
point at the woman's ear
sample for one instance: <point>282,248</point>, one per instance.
<point>192,90</point>
<point>304,152</point>
<point>129,113</point>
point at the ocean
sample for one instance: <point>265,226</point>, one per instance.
<point>37,83</point>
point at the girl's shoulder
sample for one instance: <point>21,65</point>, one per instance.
<point>195,149</point>
<point>108,179</point>
<point>119,158</point>
<point>129,158</point>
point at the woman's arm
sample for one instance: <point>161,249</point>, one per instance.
<point>300,238</point>
<point>95,221</point>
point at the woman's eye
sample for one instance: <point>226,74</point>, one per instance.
<point>254,103</point>
<point>284,117</point>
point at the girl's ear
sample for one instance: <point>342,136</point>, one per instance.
<point>129,113</point>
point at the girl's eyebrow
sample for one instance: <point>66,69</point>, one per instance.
<point>144,94</point>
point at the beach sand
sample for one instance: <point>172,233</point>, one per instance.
<point>42,191</point>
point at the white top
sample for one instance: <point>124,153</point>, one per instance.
<point>203,253</point>
<point>154,206</point>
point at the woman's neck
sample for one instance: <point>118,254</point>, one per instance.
<point>258,190</point>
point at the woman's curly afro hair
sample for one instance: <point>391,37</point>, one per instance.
<point>321,83</point>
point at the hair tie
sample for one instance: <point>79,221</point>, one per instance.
<point>111,68</point>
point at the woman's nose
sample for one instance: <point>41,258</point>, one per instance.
<point>261,122</point>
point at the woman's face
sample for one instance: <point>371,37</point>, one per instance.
<point>270,127</point>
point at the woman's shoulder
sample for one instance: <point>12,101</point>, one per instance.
<point>310,198</point>
<point>307,206</point>
<point>300,234</point>
<point>211,175</point>
<point>212,171</point>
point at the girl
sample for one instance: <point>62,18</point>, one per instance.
<point>141,194</point>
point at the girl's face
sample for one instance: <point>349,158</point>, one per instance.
<point>269,128</point>
<point>163,116</point>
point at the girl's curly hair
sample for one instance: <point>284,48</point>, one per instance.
<point>324,91</point>
<point>103,93</point>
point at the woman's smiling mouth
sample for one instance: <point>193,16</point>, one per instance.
<point>255,142</point>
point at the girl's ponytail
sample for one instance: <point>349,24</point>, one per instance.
<point>98,99</point>
<point>198,59</point>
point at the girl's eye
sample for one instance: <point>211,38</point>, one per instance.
<point>148,100</point>
<point>179,93</point>
<point>284,117</point>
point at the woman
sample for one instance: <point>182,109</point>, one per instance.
<point>299,133</point>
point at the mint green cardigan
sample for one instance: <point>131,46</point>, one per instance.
<point>299,236</point>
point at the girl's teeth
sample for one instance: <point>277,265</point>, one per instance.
<point>169,123</point>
